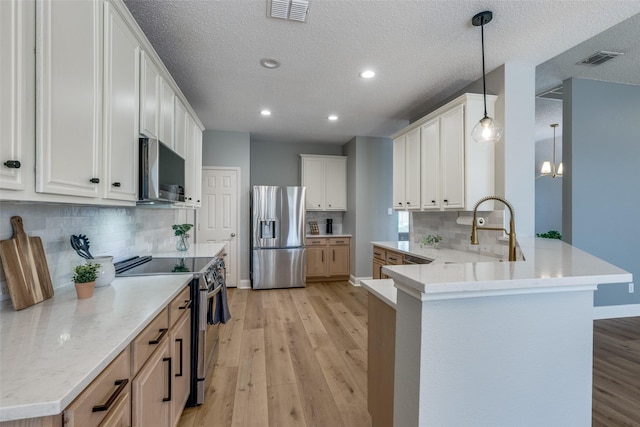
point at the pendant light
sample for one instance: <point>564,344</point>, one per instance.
<point>549,168</point>
<point>487,129</point>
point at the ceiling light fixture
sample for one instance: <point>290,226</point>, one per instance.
<point>270,62</point>
<point>265,112</point>
<point>549,168</point>
<point>367,74</point>
<point>333,117</point>
<point>487,129</point>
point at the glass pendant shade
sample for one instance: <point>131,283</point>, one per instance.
<point>487,130</point>
<point>546,168</point>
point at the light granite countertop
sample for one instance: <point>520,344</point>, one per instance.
<point>51,351</point>
<point>311,236</point>
<point>436,256</point>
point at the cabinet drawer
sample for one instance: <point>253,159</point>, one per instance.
<point>316,242</point>
<point>339,241</point>
<point>148,340</point>
<point>394,258</point>
<point>103,396</point>
<point>379,253</point>
<point>179,305</point>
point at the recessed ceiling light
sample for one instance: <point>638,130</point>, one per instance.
<point>270,62</point>
<point>333,117</point>
<point>265,112</point>
<point>367,74</point>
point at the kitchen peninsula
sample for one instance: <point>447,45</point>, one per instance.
<point>496,343</point>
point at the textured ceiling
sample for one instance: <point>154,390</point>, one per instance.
<point>422,51</point>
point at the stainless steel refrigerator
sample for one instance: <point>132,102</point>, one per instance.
<point>278,256</point>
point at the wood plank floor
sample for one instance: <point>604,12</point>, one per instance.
<point>298,357</point>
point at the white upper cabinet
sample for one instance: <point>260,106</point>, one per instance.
<point>149,97</point>
<point>180,128</point>
<point>325,178</point>
<point>406,170</point>
<point>69,113</point>
<point>167,102</point>
<point>13,99</point>
<point>454,171</point>
<point>193,178</point>
<point>121,95</point>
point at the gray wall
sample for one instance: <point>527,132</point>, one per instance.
<point>600,185</point>
<point>370,171</point>
<point>279,164</point>
<point>232,149</point>
<point>548,189</point>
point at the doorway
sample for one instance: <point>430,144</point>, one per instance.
<point>218,218</point>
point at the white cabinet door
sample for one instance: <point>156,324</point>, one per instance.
<point>412,170</point>
<point>12,96</point>
<point>165,128</point>
<point>336,177</point>
<point>452,158</point>
<point>430,161</point>
<point>193,163</point>
<point>120,123</point>
<point>69,114</point>
<point>149,97</point>
<point>399,172</point>
<point>198,166</point>
<point>180,128</point>
<point>313,177</point>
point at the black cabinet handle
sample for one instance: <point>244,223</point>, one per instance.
<point>197,201</point>
<point>446,201</point>
<point>168,359</point>
<point>179,374</point>
<point>95,180</point>
<point>334,255</point>
<point>433,201</point>
<point>121,385</point>
<point>116,184</point>
<point>187,304</point>
<point>12,164</point>
<point>400,203</point>
<point>163,332</point>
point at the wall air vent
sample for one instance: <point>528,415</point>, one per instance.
<point>294,10</point>
<point>599,58</point>
<point>555,93</point>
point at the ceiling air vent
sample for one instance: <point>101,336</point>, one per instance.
<point>555,93</point>
<point>295,10</point>
<point>599,58</point>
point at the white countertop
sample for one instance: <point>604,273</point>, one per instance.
<point>51,351</point>
<point>195,250</point>
<point>383,289</point>
<point>548,264</point>
<point>436,256</point>
<point>311,236</point>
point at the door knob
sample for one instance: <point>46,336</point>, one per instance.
<point>233,234</point>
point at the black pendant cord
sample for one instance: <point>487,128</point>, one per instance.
<point>484,82</point>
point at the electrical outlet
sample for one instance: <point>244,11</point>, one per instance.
<point>631,287</point>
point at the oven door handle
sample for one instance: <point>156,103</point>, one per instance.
<point>215,291</point>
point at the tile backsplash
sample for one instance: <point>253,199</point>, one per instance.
<point>455,229</point>
<point>321,218</point>
<point>116,231</point>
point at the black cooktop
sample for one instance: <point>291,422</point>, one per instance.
<point>144,266</point>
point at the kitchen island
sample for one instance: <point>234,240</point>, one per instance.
<point>497,343</point>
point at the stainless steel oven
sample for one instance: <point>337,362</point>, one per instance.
<point>207,282</point>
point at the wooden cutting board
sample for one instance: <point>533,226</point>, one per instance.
<point>25,267</point>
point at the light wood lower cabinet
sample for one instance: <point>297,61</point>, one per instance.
<point>328,258</point>
<point>382,257</point>
<point>152,391</point>
<point>180,352</point>
<point>381,342</point>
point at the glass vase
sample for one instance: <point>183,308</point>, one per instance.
<point>183,242</point>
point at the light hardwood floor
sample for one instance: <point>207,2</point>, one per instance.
<point>298,357</point>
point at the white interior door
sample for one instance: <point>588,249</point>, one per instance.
<point>218,220</point>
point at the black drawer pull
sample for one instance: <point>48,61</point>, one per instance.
<point>12,164</point>
<point>95,180</point>
<point>187,304</point>
<point>121,385</point>
<point>116,184</point>
<point>168,359</point>
<point>179,374</point>
<point>163,332</point>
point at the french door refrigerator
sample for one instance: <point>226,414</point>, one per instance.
<point>278,256</point>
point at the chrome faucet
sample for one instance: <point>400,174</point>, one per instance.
<point>512,225</point>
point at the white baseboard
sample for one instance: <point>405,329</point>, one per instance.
<point>244,284</point>
<point>615,311</point>
<point>355,281</point>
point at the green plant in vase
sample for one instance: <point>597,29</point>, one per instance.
<point>84,278</point>
<point>181,230</point>
<point>431,240</point>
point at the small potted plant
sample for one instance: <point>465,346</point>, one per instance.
<point>181,230</point>
<point>84,277</point>
<point>431,240</point>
